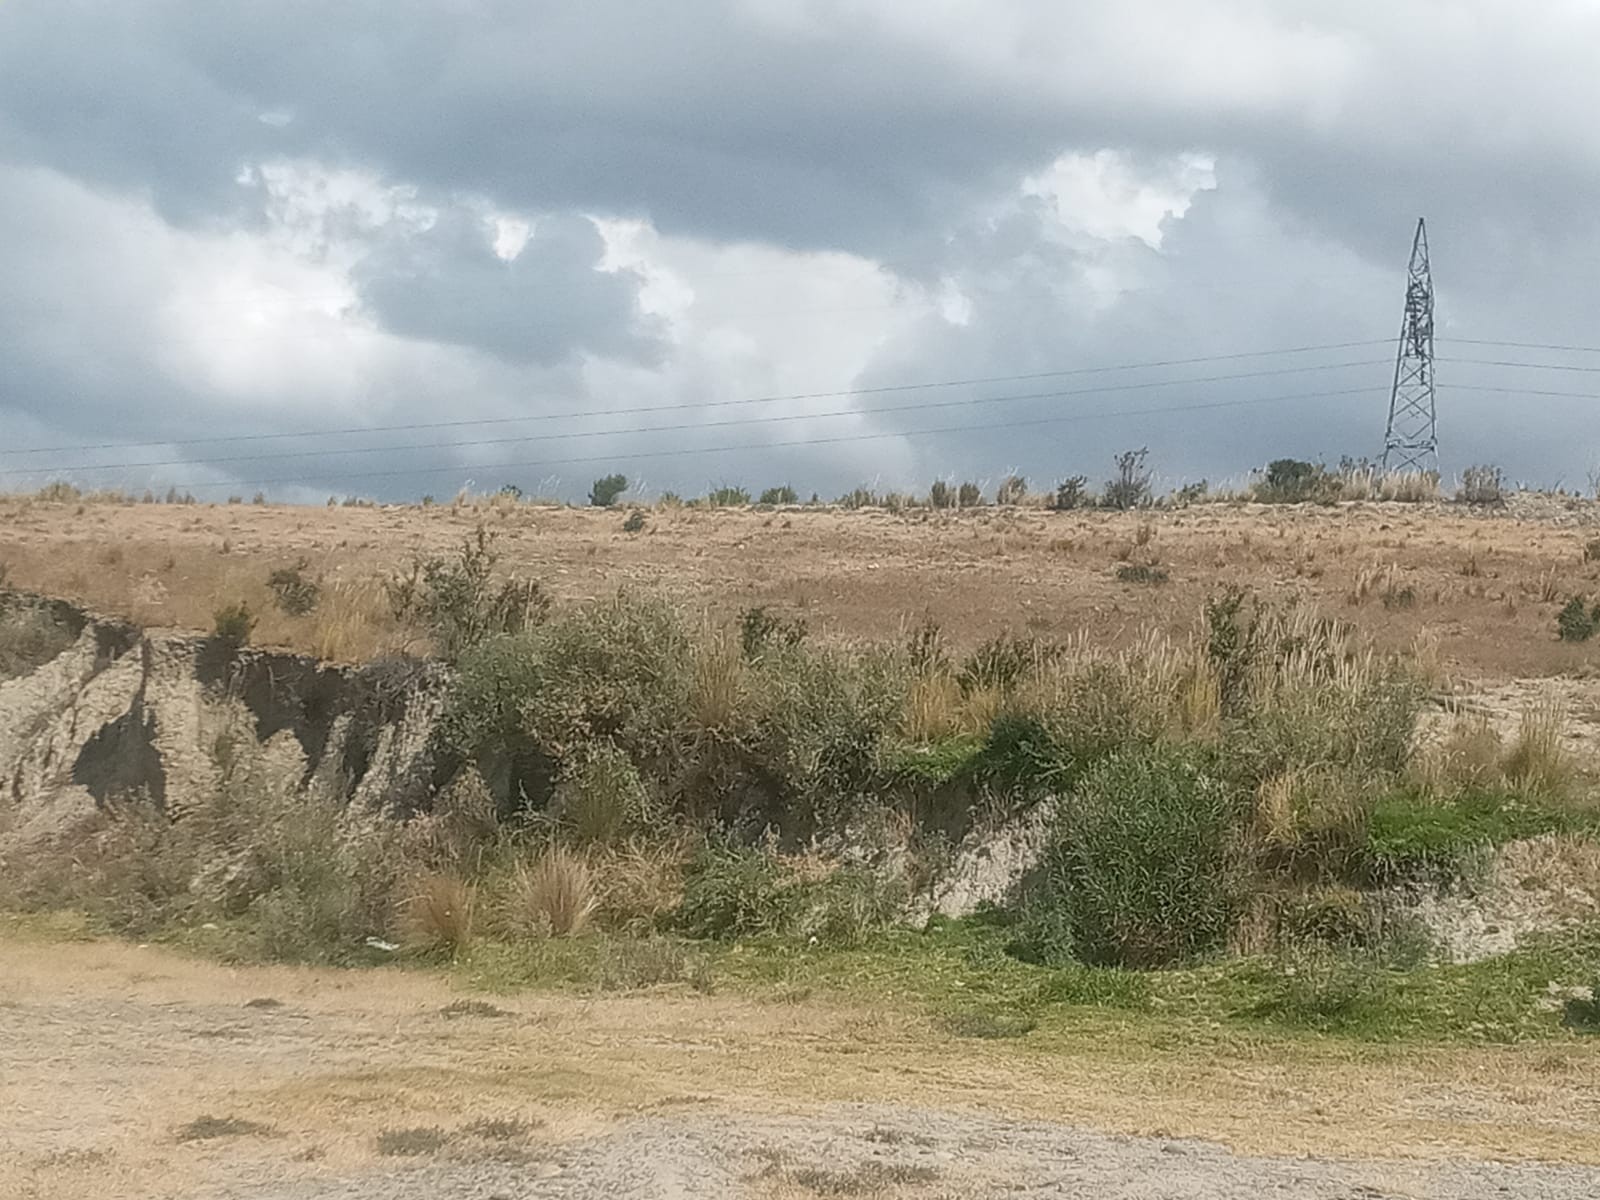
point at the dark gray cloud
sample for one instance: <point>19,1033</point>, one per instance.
<point>145,251</point>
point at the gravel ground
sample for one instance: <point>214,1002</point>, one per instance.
<point>894,1152</point>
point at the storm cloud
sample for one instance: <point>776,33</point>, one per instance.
<point>701,241</point>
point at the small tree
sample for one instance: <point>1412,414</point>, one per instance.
<point>1131,487</point>
<point>941,495</point>
<point>1071,493</point>
<point>969,495</point>
<point>1013,491</point>
<point>607,490</point>
<point>782,494</point>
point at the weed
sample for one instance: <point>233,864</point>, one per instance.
<point>977,1023</point>
<point>412,1143</point>
<point>1071,493</point>
<point>498,1129</point>
<point>868,1179</point>
<point>1131,487</point>
<point>607,490</point>
<point>471,1008</point>
<point>635,522</point>
<point>460,603</point>
<point>1145,573</point>
<point>1576,622</point>
<point>633,963</point>
<point>782,494</point>
<point>1012,491</point>
<point>601,797</point>
<point>729,892</point>
<point>208,1128</point>
<point>727,496</point>
<point>758,627</point>
<point>232,624</point>
<point>294,594</point>
<point>1482,485</point>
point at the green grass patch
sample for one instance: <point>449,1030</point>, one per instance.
<point>1414,836</point>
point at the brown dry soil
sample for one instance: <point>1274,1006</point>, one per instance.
<point>1486,585</point>
<point>132,1072</point>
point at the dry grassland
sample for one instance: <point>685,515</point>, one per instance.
<point>1485,587</point>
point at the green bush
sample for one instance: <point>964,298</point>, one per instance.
<point>1146,573</point>
<point>1012,491</point>
<point>727,497</point>
<point>294,594</point>
<point>635,522</point>
<point>460,602</point>
<point>1576,622</point>
<point>941,495</point>
<point>601,797</point>
<point>860,498</point>
<point>232,624</point>
<point>1131,487</point>
<point>1143,869</point>
<point>782,494</point>
<point>969,495</point>
<point>759,627</point>
<point>1071,493</point>
<point>607,490</point>
<point>732,892</point>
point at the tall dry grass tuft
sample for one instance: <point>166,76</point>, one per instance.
<point>555,895</point>
<point>353,622</point>
<point>1467,756</point>
<point>1536,761</point>
<point>934,708</point>
<point>1407,487</point>
<point>717,690</point>
<point>439,913</point>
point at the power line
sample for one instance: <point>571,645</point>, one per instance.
<point>1497,362</point>
<point>1521,345</point>
<point>823,441</point>
<point>567,435</point>
<point>773,399</point>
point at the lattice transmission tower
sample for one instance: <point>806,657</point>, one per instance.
<point>1411,443</point>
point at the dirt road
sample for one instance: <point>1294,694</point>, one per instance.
<point>131,1072</point>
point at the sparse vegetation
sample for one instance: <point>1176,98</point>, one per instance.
<point>1131,486</point>
<point>460,602</point>
<point>294,594</point>
<point>782,494</point>
<point>1482,485</point>
<point>1071,493</point>
<point>232,624</point>
<point>606,491</point>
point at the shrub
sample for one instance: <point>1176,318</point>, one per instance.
<point>727,497</point>
<point>1141,573</point>
<point>635,522</point>
<point>512,492</point>
<point>969,495</point>
<point>782,494</point>
<point>607,490</point>
<point>729,892</point>
<point>1591,553</point>
<point>1191,493</point>
<point>758,628</point>
<point>232,624</point>
<point>554,896</point>
<point>859,498</point>
<point>1576,622</point>
<point>602,796</point>
<point>1289,481</point>
<point>1482,484</point>
<point>460,602</point>
<point>1131,487</point>
<point>294,594</point>
<point>941,495</point>
<point>1071,493</point>
<point>1013,491</point>
<point>1142,869</point>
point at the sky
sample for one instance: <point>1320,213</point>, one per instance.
<point>405,248</point>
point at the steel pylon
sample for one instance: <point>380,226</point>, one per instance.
<point>1411,442</point>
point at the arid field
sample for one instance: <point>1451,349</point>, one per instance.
<point>726,951</point>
